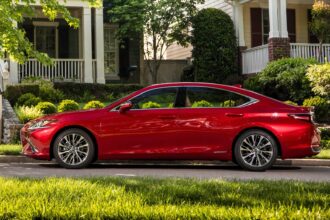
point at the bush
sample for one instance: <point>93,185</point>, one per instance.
<point>94,104</point>
<point>13,92</point>
<point>285,79</point>
<point>32,101</point>
<point>228,103</point>
<point>46,107</point>
<point>253,83</point>
<point>23,98</point>
<point>67,105</point>
<point>26,113</point>
<point>201,103</point>
<point>319,76</point>
<point>150,105</point>
<point>214,49</point>
<point>290,102</point>
<point>322,108</point>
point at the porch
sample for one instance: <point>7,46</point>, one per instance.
<point>271,29</point>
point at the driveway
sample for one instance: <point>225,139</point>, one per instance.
<point>207,171</point>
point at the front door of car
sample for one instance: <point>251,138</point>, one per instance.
<point>145,131</point>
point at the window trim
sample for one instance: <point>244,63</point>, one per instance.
<point>251,102</point>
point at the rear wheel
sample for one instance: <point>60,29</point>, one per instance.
<point>73,149</point>
<point>255,150</point>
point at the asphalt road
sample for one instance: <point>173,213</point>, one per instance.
<point>161,171</point>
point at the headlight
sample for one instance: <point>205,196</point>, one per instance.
<point>40,124</point>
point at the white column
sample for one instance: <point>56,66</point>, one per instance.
<point>13,67</point>
<point>239,23</point>
<point>273,18</point>
<point>87,44</point>
<point>283,17</point>
<point>99,38</point>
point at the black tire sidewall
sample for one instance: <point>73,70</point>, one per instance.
<point>90,155</point>
<point>240,160</point>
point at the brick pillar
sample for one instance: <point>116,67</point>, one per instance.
<point>278,48</point>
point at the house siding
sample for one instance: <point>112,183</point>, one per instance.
<point>176,51</point>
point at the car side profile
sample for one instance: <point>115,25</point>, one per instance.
<point>177,121</point>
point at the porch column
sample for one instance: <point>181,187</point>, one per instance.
<point>239,23</point>
<point>13,68</point>
<point>278,42</point>
<point>99,37</point>
<point>87,45</point>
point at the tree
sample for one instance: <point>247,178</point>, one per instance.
<point>162,22</point>
<point>320,24</point>
<point>13,41</point>
<point>214,46</point>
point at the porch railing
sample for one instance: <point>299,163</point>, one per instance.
<point>255,59</point>
<point>63,69</point>
<point>306,50</point>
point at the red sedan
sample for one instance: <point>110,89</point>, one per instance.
<point>177,121</point>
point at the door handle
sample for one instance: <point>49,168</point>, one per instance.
<point>234,114</point>
<point>167,117</point>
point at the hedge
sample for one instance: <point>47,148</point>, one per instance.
<point>13,92</point>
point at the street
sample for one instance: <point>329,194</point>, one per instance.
<point>207,171</point>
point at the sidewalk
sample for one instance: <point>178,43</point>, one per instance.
<point>289,162</point>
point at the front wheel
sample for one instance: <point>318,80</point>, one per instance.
<point>73,149</point>
<point>255,150</point>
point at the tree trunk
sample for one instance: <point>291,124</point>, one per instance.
<point>154,71</point>
<point>320,55</point>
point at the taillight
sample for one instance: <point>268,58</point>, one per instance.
<point>302,116</point>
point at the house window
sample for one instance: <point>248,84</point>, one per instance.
<point>265,26</point>
<point>46,38</point>
<point>111,49</point>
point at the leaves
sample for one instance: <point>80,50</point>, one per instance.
<point>13,40</point>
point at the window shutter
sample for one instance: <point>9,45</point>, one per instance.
<point>291,22</point>
<point>311,37</point>
<point>256,27</point>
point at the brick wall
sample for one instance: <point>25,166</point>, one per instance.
<point>11,124</point>
<point>278,48</point>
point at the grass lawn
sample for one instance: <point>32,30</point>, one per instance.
<point>325,154</point>
<point>146,198</point>
<point>10,149</point>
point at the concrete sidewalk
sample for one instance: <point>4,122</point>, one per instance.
<point>293,162</point>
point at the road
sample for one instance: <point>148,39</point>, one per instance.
<point>161,171</point>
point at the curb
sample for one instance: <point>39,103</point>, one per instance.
<point>289,162</point>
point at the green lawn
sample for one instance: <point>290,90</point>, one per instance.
<point>325,154</point>
<point>146,198</point>
<point>10,149</point>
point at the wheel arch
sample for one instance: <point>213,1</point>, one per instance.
<point>256,128</point>
<point>78,127</point>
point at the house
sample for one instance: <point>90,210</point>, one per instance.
<point>266,30</point>
<point>88,54</point>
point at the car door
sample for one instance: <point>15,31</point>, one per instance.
<point>146,131</point>
<point>207,122</point>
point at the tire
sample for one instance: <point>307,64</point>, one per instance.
<point>74,149</point>
<point>255,150</point>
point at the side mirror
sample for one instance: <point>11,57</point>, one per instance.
<point>125,107</point>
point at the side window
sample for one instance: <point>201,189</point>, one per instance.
<point>157,98</point>
<point>199,97</point>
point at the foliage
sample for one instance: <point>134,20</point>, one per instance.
<point>67,105</point>
<point>94,104</point>
<point>325,146</point>
<point>150,105</point>
<point>162,22</point>
<point>228,103</point>
<point>32,101</point>
<point>320,24</point>
<point>325,133</point>
<point>13,92</point>
<point>139,198</point>
<point>319,76</point>
<point>214,49</point>
<point>46,107</point>
<point>10,149</point>
<point>285,79</point>
<point>23,98</point>
<point>13,40</point>
<point>253,83</point>
<point>322,108</point>
<point>26,113</point>
<point>290,103</point>
<point>201,103</point>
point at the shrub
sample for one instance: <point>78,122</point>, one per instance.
<point>46,107</point>
<point>322,108</point>
<point>13,92</point>
<point>23,98</point>
<point>253,83</point>
<point>290,102</point>
<point>214,49</point>
<point>32,102</point>
<point>228,103</point>
<point>319,76</point>
<point>94,104</point>
<point>151,105</point>
<point>201,103</point>
<point>285,79</point>
<point>67,105</point>
<point>325,133</point>
<point>26,113</point>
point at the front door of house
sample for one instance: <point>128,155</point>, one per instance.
<point>45,40</point>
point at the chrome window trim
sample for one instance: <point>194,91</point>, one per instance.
<point>251,102</point>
